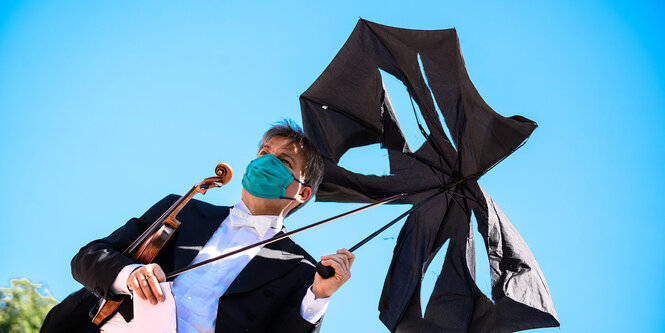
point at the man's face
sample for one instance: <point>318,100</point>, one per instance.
<point>293,159</point>
<point>290,155</point>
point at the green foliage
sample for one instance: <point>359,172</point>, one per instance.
<point>23,306</point>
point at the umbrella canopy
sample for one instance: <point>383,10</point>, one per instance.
<point>348,106</point>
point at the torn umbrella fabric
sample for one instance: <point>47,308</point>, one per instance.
<point>348,106</point>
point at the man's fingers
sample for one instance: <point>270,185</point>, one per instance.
<point>348,254</point>
<point>137,287</point>
<point>155,288</point>
<point>155,275</point>
<point>144,281</point>
<point>334,264</point>
<point>147,290</point>
<point>345,259</point>
<point>146,285</point>
<point>159,273</point>
<point>338,264</point>
<point>335,257</point>
<point>326,257</point>
<point>340,260</point>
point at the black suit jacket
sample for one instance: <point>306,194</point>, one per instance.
<point>265,296</point>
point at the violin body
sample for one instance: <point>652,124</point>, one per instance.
<point>147,246</point>
<point>147,252</point>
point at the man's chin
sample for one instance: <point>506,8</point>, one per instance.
<point>262,206</point>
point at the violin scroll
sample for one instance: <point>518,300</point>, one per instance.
<point>224,170</point>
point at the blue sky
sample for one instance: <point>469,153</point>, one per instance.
<point>106,107</point>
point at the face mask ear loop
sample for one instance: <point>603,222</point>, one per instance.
<point>298,180</point>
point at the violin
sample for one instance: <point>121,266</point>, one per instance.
<point>146,247</point>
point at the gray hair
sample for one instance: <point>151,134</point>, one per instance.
<point>313,170</point>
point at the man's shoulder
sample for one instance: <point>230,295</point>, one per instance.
<point>204,206</point>
<point>172,198</point>
<point>196,206</point>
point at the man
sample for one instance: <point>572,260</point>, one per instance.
<point>273,288</point>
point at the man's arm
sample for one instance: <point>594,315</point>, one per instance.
<point>312,308</point>
<point>290,318</point>
<point>298,319</point>
<point>97,264</point>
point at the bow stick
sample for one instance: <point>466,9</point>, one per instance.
<point>282,236</point>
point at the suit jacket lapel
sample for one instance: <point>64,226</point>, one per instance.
<point>270,263</point>
<point>192,236</point>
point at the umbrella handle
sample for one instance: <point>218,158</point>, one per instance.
<point>325,271</point>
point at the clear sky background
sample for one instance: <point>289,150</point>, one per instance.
<point>107,106</point>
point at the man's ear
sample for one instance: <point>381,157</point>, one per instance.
<point>304,195</point>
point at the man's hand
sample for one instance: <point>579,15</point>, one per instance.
<point>341,262</point>
<point>144,281</point>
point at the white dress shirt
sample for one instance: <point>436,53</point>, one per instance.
<point>197,292</point>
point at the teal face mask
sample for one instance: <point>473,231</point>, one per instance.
<point>267,177</point>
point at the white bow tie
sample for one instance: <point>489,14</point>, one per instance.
<point>259,224</point>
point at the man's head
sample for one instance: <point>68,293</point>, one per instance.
<point>288,143</point>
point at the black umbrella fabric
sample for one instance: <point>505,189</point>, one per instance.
<point>348,106</point>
